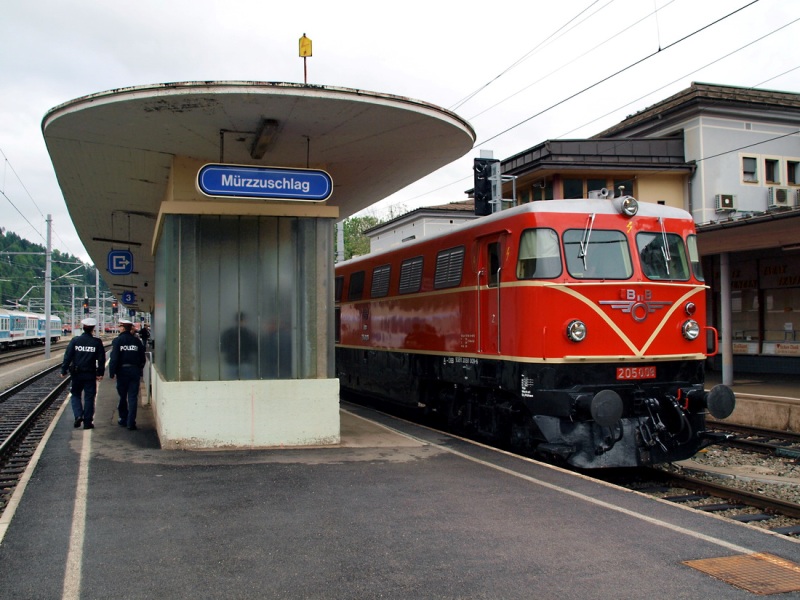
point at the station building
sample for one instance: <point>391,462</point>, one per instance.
<point>729,156</point>
<point>193,196</point>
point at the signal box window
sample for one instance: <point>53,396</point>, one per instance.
<point>539,255</point>
<point>356,289</point>
<point>449,266</point>
<point>380,281</point>
<point>660,261</point>
<point>597,254</point>
<point>595,185</point>
<point>749,169</point>
<point>573,188</point>
<point>410,275</point>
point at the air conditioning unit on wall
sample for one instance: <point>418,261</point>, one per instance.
<point>777,197</point>
<point>725,202</point>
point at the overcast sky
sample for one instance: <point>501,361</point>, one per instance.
<point>516,70</point>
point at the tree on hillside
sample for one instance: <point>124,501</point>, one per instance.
<point>355,242</point>
<point>22,274</point>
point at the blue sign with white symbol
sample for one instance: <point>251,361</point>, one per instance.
<point>272,183</point>
<point>128,297</point>
<point>120,262</point>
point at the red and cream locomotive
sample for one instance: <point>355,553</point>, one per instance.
<point>574,328</point>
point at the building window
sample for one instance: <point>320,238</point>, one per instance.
<point>793,172</point>
<point>749,172</point>
<point>772,171</point>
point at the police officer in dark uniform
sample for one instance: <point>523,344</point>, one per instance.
<point>85,359</point>
<point>126,364</point>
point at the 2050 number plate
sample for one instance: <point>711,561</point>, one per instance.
<point>624,373</point>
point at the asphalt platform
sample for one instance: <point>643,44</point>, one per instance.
<point>395,511</point>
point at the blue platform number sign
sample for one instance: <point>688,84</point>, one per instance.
<point>271,183</point>
<point>120,262</point>
<point>128,297</point>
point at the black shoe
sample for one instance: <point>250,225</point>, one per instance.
<point>88,426</point>
<point>78,422</point>
<point>122,422</point>
<point>133,428</point>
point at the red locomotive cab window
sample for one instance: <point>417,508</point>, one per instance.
<point>662,256</point>
<point>339,287</point>
<point>355,291</point>
<point>694,257</point>
<point>493,263</point>
<point>539,255</point>
<point>597,254</point>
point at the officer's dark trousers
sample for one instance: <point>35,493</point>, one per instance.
<point>86,384</point>
<point>128,390</point>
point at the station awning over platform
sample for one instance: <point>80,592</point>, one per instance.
<point>113,151</point>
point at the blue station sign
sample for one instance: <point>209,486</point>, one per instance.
<point>274,183</point>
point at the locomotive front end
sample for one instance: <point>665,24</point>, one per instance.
<point>622,381</point>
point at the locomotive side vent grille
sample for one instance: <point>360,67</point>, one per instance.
<point>380,281</point>
<point>411,275</point>
<point>449,266</point>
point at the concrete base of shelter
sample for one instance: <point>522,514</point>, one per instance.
<point>217,415</point>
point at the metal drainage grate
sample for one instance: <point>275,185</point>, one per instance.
<point>759,573</point>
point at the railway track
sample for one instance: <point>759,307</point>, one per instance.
<point>11,356</point>
<point>26,411</point>
<point>765,441</point>
<point>712,496</point>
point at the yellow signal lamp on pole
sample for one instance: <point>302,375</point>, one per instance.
<point>305,52</point>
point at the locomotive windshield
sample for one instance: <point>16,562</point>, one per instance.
<point>539,255</point>
<point>604,255</point>
<point>663,256</point>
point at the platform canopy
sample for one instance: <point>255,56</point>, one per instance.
<point>113,151</point>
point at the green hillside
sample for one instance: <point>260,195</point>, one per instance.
<point>22,273</point>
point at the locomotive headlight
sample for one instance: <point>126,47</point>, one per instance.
<point>627,205</point>
<point>576,331</point>
<point>690,329</point>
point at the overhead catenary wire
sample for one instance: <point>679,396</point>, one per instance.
<point>527,55</point>
<point>631,65</point>
<point>618,72</point>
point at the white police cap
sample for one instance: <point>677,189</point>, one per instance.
<point>125,322</point>
<point>89,322</point>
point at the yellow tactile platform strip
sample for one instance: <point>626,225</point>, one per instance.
<point>759,573</point>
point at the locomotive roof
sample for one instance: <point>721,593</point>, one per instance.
<point>577,207</point>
